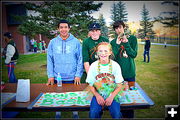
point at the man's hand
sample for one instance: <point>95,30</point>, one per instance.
<point>109,100</point>
<point>50,81</point>
<point>77,80</point>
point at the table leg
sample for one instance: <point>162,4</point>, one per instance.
<point>75,114</point>
<point>58,115</point>
<point>127,113</point>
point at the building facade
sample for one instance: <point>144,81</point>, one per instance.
<point>9,24</point>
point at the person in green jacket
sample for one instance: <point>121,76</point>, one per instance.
<point>90,43</point>
<point>125,51</point>
<point>35,46</point>
<point>40,46</point>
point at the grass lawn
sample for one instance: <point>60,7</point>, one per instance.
<point>159,79</point>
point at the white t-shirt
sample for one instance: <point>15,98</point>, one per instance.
<point>93,72</point>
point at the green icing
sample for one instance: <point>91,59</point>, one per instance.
<point>47,102</point>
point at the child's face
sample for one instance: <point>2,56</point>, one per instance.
<point>104,52</point>
<point>119,29</point>
<point>95,34</point>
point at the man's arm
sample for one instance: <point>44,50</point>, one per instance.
<point>9,54</point>
<point>86,66</point>
<point>115,47</point>
<point>131,49</point>
<point>79,71</point>
<point>85,54</point>
<point>50,64</point>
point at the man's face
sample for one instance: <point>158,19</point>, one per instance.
<point>94,34</point>
<point>146,38</point>
<point>119,29</point>
<point>63,29</point>
<point>6,39</point>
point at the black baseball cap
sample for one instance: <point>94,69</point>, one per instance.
<point>8,34</point>
<point>94,26</point>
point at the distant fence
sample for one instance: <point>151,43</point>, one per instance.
<point>169,40</point>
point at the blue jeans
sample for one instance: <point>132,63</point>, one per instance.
<point>146,52</point>
<point>96,109</point>
<point>9,114</point>
<point>12,79</point>
<point>11,75</point>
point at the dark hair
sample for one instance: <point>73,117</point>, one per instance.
<point>8,35</point>
<point>118,23</point>
<point>63,21</point>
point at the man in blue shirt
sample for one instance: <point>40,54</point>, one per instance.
<point>64,56</point>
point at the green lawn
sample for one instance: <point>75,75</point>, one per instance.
<point>159,79</point>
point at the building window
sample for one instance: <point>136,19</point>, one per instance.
<point>15,9</point>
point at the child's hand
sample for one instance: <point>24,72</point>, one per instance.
<point>124,39</point>
<point>119,39</point>
<point>100,100</point>
<point>109,100</point>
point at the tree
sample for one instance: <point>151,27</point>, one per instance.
<point>104,28</point>
<point>146,24</point>
<point>49,13</point>
<point>114,12</point>
<point>169,18</point>
<point>121,11</point>
<point>118,12</point>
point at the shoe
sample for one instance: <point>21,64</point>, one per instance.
<point>133,88</point>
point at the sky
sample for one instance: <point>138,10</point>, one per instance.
<point>134,9</point>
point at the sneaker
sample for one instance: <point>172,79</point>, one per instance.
<point>133,88</point>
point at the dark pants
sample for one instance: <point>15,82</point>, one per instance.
<point>35,49</point>
<point>131,81</point>
<point>32,48</point>
<point>96,109</point>
<point>11,75</point>
<point>146,52</point>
